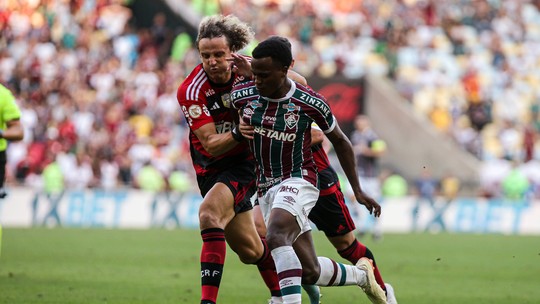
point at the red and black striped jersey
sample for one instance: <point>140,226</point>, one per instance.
<point>204,102</point>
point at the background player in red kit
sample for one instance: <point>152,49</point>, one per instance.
<point>223,164</point>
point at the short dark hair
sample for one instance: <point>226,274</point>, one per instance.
<point>276,47</point>
<point>282,40</point>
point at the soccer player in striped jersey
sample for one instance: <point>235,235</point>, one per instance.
<point>223,163</point>
<point>280,113</point>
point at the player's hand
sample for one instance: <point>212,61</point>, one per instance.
<point>372,206</point>
<point>246,130</point>
<point>240,65</point>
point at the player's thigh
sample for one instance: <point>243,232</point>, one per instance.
<point>217,207</point>
<point>283,228</point>
<point>295,196</point>
<point>243,238</point>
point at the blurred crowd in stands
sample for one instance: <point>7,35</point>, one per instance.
<point>98,94</point>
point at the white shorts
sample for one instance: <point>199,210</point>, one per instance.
<point>296,196</point>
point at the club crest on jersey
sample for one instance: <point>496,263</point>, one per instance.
<point>195,111</point>
<point>254,104</point>
<point>226,99</point>
<point>248,112</point>
<point>291,107</point>
<point>291,119</point>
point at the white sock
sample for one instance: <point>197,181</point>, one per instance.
<point>289,270</point>
<point>337,274</point>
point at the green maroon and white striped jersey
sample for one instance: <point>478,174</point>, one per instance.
<point>282,138</point>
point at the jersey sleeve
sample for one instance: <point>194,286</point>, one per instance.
<point>317,108</point>
<point>331,125</point>
<point>321,114</point>
<point>241,94</point>
<point>194,108</point>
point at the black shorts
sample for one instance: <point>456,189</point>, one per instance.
<point>3,160</point>
<point>241,181</point>
<point>331,215</point>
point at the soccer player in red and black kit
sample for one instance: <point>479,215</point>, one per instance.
<point>223,164</point>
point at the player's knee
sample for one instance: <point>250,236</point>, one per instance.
<point>280,236</point>
<point>276,239</point>
<point>208,219</point>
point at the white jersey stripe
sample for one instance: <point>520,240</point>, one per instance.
<point>196,83</point>
<point>195,86</point>
<point>334,123</point>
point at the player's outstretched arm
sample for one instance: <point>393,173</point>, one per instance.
<point>344,151</point>
<point>213,142</point>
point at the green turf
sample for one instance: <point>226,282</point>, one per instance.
<point>161,266</point>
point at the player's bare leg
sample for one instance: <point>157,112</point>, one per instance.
<point>305,267</point>
<point>241,235</point>
<point>281,232</point>
<point>214,215</point>
<point>352,250</point>
<point>216,209</point>
<point>312,291</point>
<point>219,223</point>
<point>243,238</point>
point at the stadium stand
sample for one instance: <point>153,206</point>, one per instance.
<point>88,78</point>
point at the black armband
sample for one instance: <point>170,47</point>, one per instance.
<point>236,134</point>
<point>1,133</point>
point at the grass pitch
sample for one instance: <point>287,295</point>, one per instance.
<point>162,266</point>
